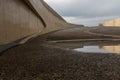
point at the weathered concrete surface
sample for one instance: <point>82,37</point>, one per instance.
<point>20,18</point>
<point>115,23</point>
<point>36,60</point>
<point>17,21</point>
<point>27,18</point>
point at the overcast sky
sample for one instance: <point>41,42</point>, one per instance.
<point>87,12</point>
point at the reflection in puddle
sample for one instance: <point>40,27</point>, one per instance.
<point>100,49</point>
<point>115,49</point>
<point>98,46</point>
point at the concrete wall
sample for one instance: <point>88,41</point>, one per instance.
<point>115,23</point>
<point>20,18</point>
<point>17,20</point>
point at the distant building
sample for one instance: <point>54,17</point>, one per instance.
<point>115,22</point>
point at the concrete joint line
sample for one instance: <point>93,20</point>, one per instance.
<point>35,11</point>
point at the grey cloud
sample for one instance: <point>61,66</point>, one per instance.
<point>89,21</point>
<point>87,9</point>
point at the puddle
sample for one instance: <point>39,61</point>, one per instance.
<point>100,49</point>
<point>98,46</point>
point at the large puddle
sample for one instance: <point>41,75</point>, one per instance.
<point>98,46</point>
<point>100,49</point>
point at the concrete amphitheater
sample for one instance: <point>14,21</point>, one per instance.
<point>26,29</point>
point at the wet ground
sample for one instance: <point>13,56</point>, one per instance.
<point>95,39</point>
<point>85,33</point>
<point>51,59</point>
<point>39,60</point>
<point>91,46</point>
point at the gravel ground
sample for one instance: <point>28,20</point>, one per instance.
<point>36,60</point>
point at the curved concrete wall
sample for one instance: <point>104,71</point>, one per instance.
<point>52,20</point>
<point>17,20</point>
<point>21,18</point>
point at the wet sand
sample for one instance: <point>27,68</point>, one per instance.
<point>36,60</point>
